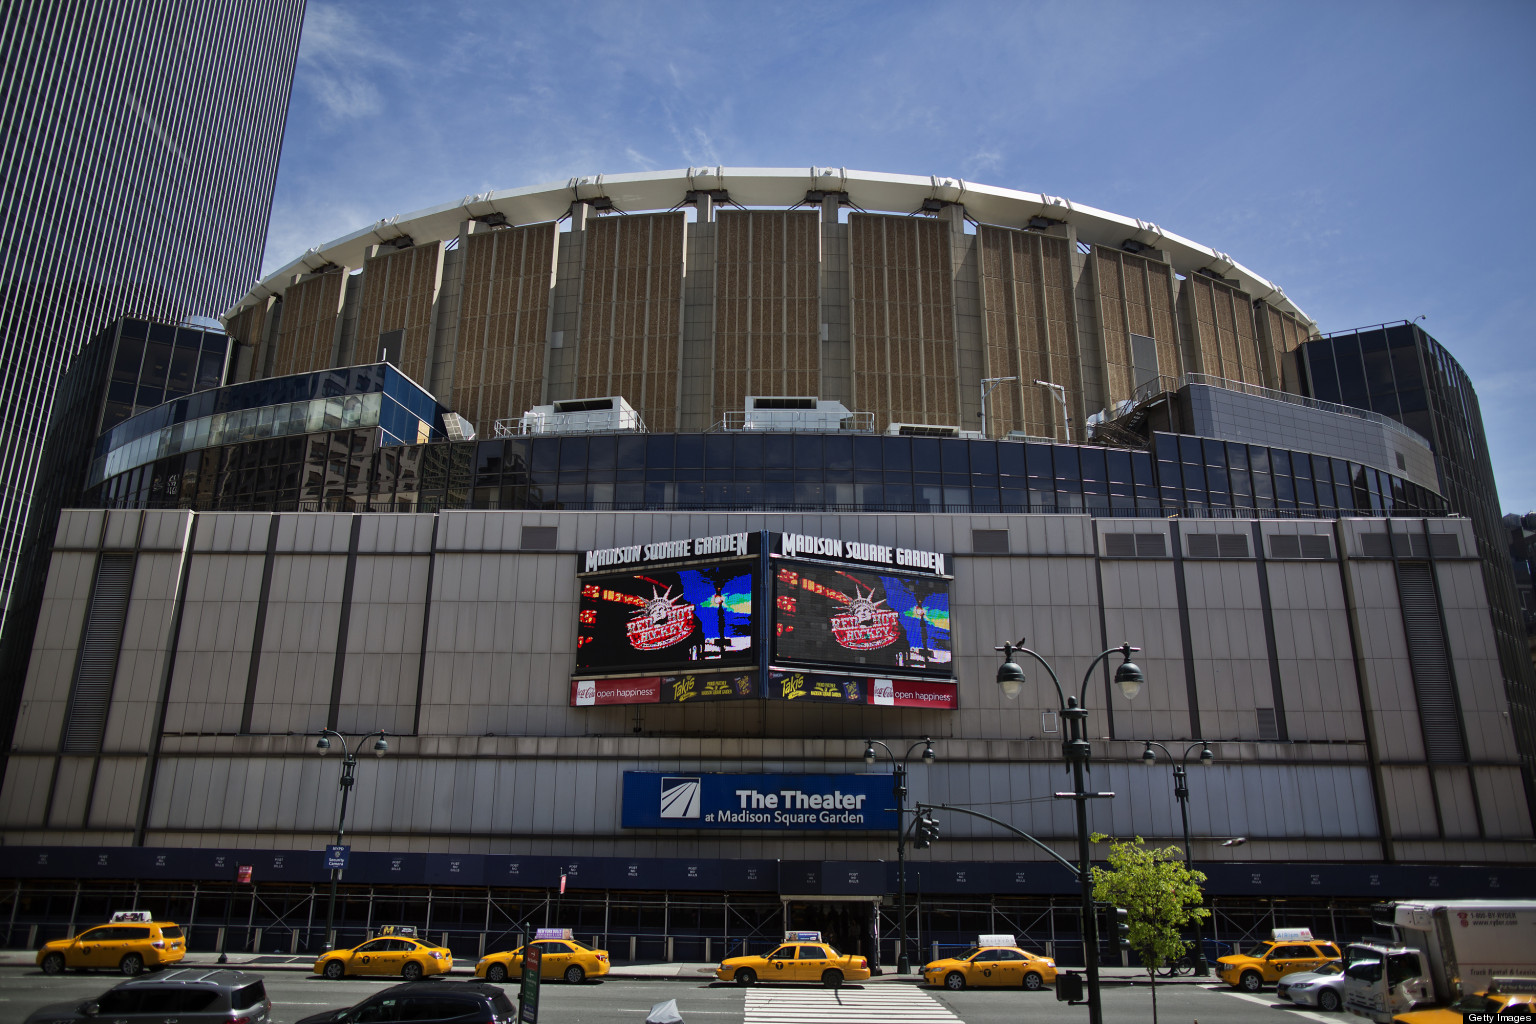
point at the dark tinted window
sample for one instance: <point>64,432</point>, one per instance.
<point>251,995</point>
<point>124,934</point>
<point>171,931</point>
<point>176,1000</point>
<point>435,1007</point>
<point>121,1000</point>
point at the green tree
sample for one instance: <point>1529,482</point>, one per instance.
<point>1161,894</point>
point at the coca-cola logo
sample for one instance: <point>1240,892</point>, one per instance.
<point>586,693</point>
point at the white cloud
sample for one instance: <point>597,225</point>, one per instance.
<point>340,58</point>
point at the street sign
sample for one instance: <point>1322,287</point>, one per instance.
<point>528,993</point>
<point>336,857</point>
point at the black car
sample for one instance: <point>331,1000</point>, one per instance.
<point>188,995</point>
<point>427,1002</point>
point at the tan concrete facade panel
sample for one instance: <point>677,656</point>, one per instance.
<point>767,306</point>
<point>631,314</point>
<point>503,322</point>
<point>904,355</point>
<point>307,334</point>
<point>1030,327</point>
<point>399,294</point>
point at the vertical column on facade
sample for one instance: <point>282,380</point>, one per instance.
<point>346,324</point>
<point>1089,332</point>
<point>565,308</point>
<point>836,375</point>
<point>969,324</point>
<point>447,313</point>
<point>695,409</point>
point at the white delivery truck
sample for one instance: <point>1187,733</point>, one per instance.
<point>1442,950</point>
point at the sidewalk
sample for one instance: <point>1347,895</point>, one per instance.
<point>698,972</point>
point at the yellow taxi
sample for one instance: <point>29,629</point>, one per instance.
<point>996,961</point>
<point>560,956</point>
<point>130,942</point>
<point>1490,1002</point>
<point>1287,951</point>
<point>802,957</point>
<point>389,956</point>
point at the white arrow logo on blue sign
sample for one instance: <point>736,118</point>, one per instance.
<point>680,796</point>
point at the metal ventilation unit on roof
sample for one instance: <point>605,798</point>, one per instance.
<point>929,430</point>
<point>609,415</point>
<point>794,413</point>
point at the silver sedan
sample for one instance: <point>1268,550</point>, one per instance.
<point>1322,988</point>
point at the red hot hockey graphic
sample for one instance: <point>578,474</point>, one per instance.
<point>664,621</point>
<point>865,626</point>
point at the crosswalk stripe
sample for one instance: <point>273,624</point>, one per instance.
<point>884,1004</point>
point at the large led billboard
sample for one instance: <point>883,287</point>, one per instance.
<point>667,618</point>
<point>826,615</point>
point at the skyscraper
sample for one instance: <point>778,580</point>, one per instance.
<point>139,155</point>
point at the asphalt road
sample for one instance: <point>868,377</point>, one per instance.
<point>295,995</point>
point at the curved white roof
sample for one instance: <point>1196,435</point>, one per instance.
<point>773,187</point>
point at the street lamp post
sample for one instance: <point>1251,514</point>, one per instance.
<point>1075,750</point>
<point>348,777</point>
<point>899,789</point>
<point>1181,791</point>
<point>1059,392</point>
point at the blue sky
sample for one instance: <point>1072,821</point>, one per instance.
<point>1373,159</point>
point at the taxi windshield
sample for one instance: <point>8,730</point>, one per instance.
<point>1258,952</point>
<point>1473,1004</point>
<point>968,953</point>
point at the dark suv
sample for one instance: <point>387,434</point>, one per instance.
<point>188,995</point>
<point>427,1002</point>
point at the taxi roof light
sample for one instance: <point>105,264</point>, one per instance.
<point>1291,935</point>
<point>995,940</point>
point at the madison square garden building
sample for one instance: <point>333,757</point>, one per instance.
<point>631,507</point>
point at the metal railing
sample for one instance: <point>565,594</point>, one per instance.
<point>455,504</point>
<point>796,421</point>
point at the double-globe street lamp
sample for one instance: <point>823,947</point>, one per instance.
<point>1075,750</point>
<point>899,790</point>
<point>1181,791</point>
<point>348,777</point>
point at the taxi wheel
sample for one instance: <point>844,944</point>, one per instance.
<point>496,973</point>
<point>954,981</point>
<point>832,979</point>
<point>1328,1000</point>
<point>574,975</point>
<point>53,963</point>
<point>131,964</point>
<point>746,976</point>
<point>334,969</point>
<point>1251,981</point>
<point>411,971</point>
<point>1033,982</point>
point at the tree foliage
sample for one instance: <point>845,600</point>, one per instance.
<point>1160,894</point>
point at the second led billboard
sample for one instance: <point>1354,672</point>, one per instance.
<point>825,615</point>
<point>659,618</point>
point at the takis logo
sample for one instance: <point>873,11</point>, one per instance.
<point>663,621</point>
<point>680,796</point>
<point>864,625</point>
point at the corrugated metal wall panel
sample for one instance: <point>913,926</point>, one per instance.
<point>1430,658</point>
<point>91,692</point>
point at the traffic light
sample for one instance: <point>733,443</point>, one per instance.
<point>1120,918</point>
<point>927,830</point>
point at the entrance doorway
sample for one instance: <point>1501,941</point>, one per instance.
<point>846,924</point>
